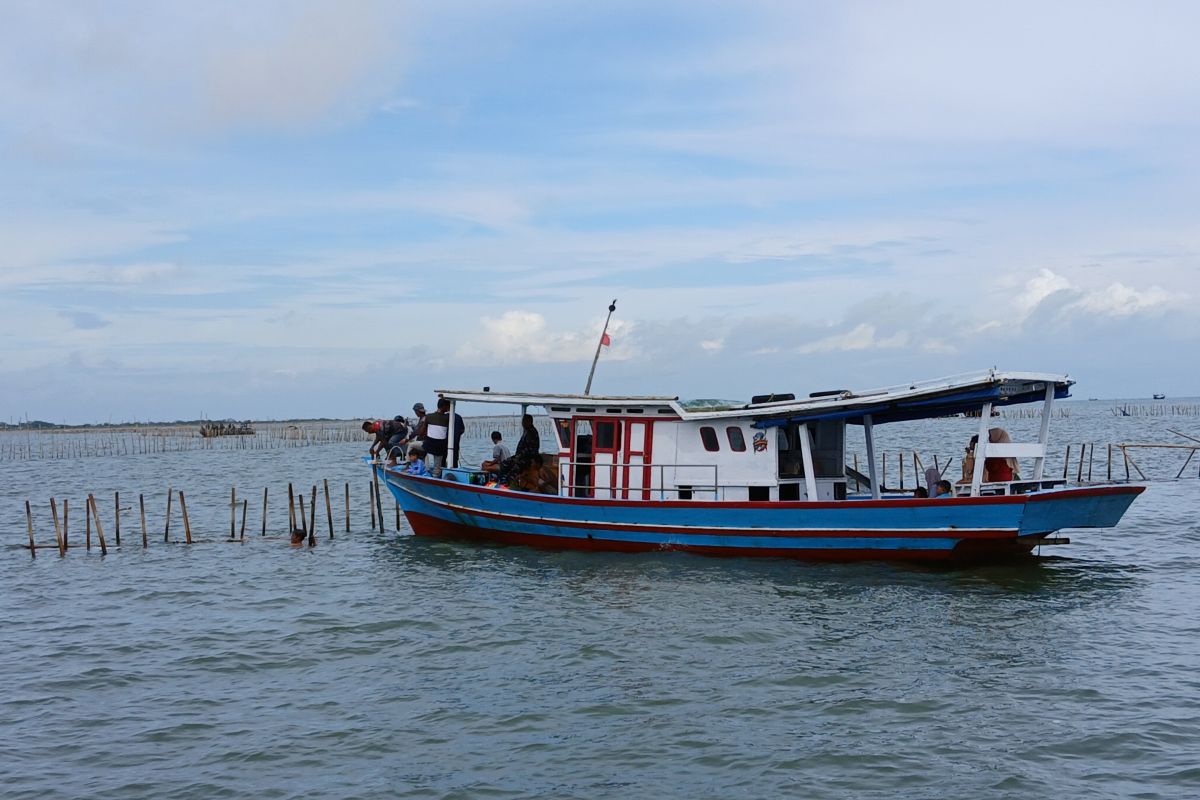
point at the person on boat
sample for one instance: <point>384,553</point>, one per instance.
<point>968,462</point>
<point>999,469</point>
<point>920,491</point>
<point>528,447</point>
<point>437,436</point>
<point>500,454</point>
<point>932,476</point>
<point>390,435</point>
<point>416,462</point>
<point>943,489</point>
<point>419,426</point>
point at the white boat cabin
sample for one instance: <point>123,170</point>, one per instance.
<point>776,447</point>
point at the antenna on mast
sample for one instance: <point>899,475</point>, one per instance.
<point>603,341</point>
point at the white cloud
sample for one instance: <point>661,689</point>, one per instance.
<point>518,337</point>
<point>1113,300</point>
<point>861,337</point>
<point>1119,300</point>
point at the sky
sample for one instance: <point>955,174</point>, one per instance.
<point>298,209</point>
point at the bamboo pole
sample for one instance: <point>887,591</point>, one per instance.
<point>167,527</point>
<point>900,463</point>
<point>856,489</point>
<point>328,508</point>
<point>1066,462</point>
<point>62,548</point>
<point>29,524</point>
<point>142,508</point>
<point>1135,466</point>
<point>232,512</point>
<point>117,517</point>
<point>1091,455</point>
<point>378,498</point>
<point>245,506</point>
<point>347,507</point>
<point>1110,461</point>
<point>917,466</point>
<point>303,516</point>
<point>264,519</point>
<point>1125,457</point>
<point>66,542</point>
<point>99,527</point>
<point>187,525</point>
<point>292,508</point>
<point>1079,472</point>
<point>1179,474</point>
<point>371,502</point>
<point>87,507</point>
<point>312,521</point>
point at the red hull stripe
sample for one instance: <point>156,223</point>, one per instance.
<point>424,525</point>
<point>907,533</point>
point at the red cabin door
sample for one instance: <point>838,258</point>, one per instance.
<point>635,475</point>
<point>606,449</point>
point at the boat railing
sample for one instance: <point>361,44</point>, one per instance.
<point>1007,487</point>
<point>623,485</point>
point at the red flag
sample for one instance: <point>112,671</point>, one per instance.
<point>604,340</point>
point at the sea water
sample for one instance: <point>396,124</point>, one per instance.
<point>379,664</point>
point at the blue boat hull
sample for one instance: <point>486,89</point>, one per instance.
<point>902,528</point>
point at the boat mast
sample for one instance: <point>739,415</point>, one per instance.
<point>603,335</point>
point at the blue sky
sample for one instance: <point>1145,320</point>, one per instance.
<point>289,209</point>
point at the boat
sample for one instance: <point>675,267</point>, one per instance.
<point>210,430</point>
<point>764,478</point>
<point>1159,396</point>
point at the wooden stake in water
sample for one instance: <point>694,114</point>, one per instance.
<point>66,543</point>
<point>62,549</point>
<point>397,515</point>
<point>232,512</point>
<point>292,508</point>
<point>347,507</point>
<point>303,516</point>
<point>371,502</point>
<point>142,508</point>
<point>312,522</point>
<point>117,517</point>
<point>187,525</point>
<point>245,505</point>
<point>87,508</point>
<point>328,508</point>
<point>264,520</point>
<point>99,527</point>
<point>29,524</point>
<point>378,499</point>
<point>167,527</point>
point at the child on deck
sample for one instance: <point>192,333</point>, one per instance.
<point>416,462</point>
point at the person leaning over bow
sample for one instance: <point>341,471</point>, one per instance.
<point>390,436</point>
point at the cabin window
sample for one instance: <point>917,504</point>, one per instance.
<point>759,493</point>
<point>708,436</point>
<point>827,450</point>
<point>606,436</point>
<point>737,442</point>
<point>789,491</point>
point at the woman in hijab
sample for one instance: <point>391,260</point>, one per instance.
<point>999,469</point>
<point>527,448</point>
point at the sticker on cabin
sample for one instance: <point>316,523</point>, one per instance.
<point>760,442</point>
